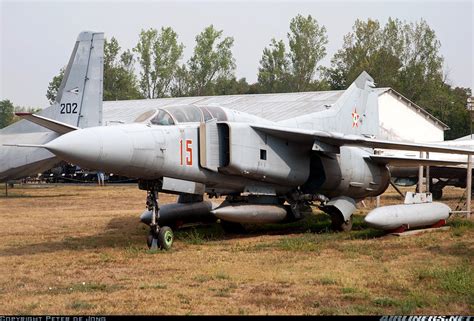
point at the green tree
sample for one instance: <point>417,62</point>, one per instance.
<point>53,87</point>
<point>280,71</point>
<point>212,59</point>
<point>159,55</point>
<point>232,86</point>
<point>307,40</point>
<point>24,109</point>
<point>120,82</point>
<point>367,48</point>
<point>6,113</point>
<point>144,49</point>
<point>181,85</point>
<point>273,73</point>
<point>449,105</point>
<point>401,55</point>
<point>406,57</point>
<point>422,63</point>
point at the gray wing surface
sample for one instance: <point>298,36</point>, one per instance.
<point>305,136</point>
<point>51,124</point>
<point>413,161</point>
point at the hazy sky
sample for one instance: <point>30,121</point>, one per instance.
<point>37,37</point>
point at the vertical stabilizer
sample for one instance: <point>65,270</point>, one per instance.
<point>355,112</point>
<point>78,104</point>
<point>79,98</point>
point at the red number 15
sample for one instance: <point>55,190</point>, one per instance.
<point>189,152</point>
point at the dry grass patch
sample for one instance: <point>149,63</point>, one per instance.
<point>81,250</point>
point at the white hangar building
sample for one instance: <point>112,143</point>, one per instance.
<point>400,119</point>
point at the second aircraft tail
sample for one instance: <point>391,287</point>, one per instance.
<point>79,99</point>
<point>355,112</point>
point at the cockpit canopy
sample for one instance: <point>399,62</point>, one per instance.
<point>173,115</point>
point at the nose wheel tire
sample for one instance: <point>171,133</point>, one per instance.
<point>165,238</point>
<point>162,240</point>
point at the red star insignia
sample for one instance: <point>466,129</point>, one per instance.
<point>355,118</point>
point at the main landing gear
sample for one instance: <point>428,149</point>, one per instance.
<point>338,223</point>
<point>159,237</point>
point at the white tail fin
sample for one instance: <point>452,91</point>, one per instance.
<point>355,112</point>
<point>79,98</point>
<point>79,104</point>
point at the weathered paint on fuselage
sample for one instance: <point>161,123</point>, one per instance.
<point>149,152</point>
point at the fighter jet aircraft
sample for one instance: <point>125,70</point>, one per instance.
<point>78,103</point>
<point>440,176</point>
<point>268,171</point>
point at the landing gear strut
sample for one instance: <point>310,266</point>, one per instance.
<point>158,237</point>
<point>437,193</point>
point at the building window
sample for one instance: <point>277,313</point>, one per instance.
<point>263,154</point>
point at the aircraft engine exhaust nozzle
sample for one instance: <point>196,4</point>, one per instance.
<point>394,217</point>
<point>251,213</point>
<point>182,213</point>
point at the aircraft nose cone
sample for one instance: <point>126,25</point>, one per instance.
<point>80,146</point>
<point>102,148</point>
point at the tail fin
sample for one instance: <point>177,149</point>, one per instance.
<point>78,104</point>
<point>355,112</point>
<point>79,99</point>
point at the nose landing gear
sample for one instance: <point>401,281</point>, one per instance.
<point>159,237</point>
<point>163,239</point>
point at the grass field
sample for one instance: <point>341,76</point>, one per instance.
<point>81,250</point>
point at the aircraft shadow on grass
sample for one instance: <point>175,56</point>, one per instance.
<point>15,196</point>
<point>128,233</point>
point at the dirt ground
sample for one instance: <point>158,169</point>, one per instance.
<point>81,250</point>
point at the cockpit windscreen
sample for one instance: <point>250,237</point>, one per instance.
<point>172,115</point>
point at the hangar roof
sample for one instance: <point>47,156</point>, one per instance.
<point>274,107</point>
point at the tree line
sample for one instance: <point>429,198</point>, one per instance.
<point>402,55</point>
<point>8,110</point>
